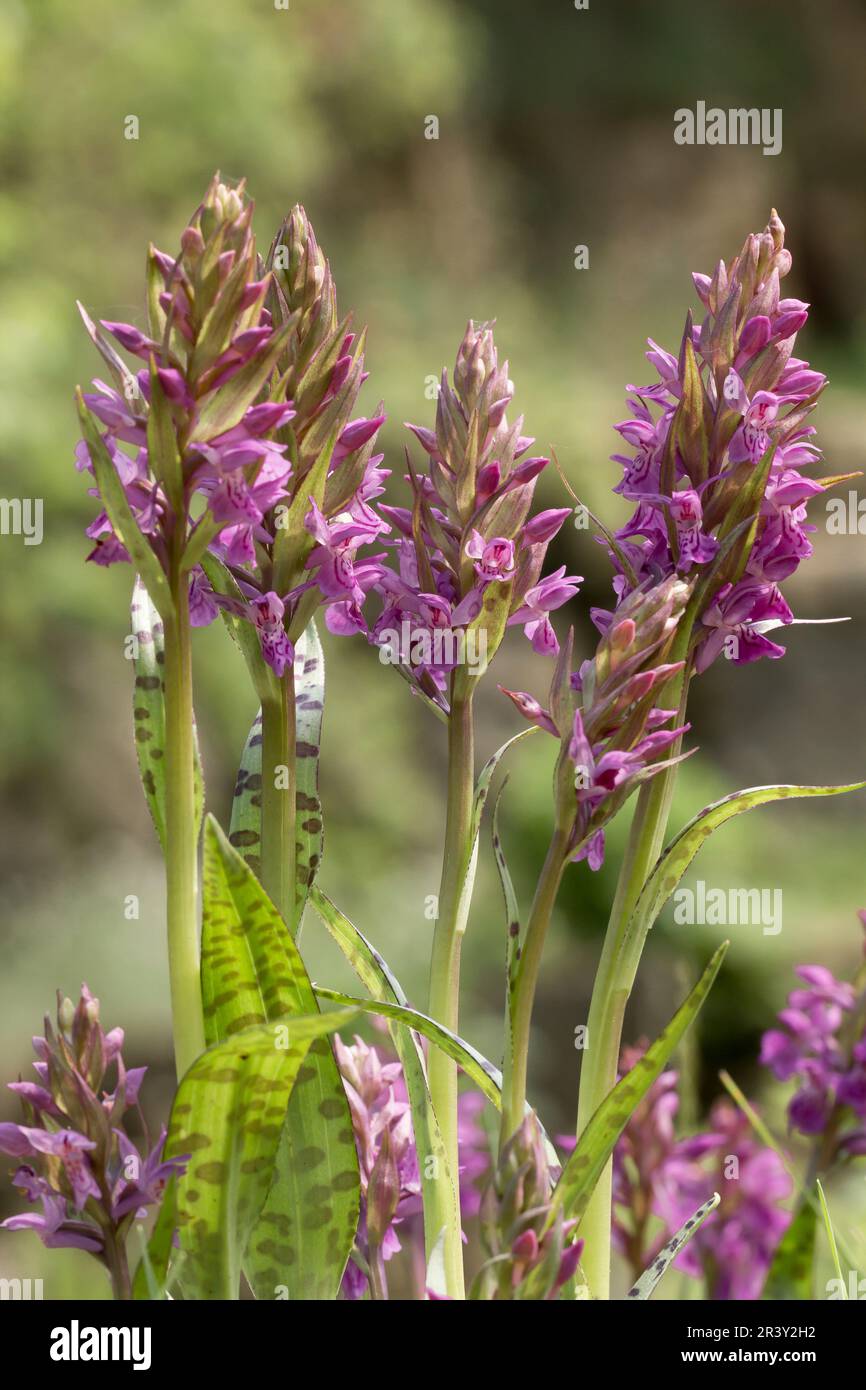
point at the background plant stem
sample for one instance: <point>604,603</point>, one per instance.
<point>517,1054</point>
<point>181,863</point>
<point>278,801</point>
<point>613,983</point>
<point>445,970</point>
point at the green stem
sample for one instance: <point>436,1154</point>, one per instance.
<point>278,798</point>
<point>526,981</point>
<point>181,852</point>
<point>445,972</point>
<point>613,983</point>
<point>118,1267</point>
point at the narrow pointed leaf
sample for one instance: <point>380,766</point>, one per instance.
<point>309,711</point>
<point>149,711</point>
<point>512,916</point>
<point>120,515</point>
<point>477,1068</point>
<point>252,972</point>
<point>646,1284</point>
<point>594,1147</point>
<point>245,830</point>
<point>672,864</point>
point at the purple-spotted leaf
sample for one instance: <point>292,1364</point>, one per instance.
<point>309,711</point>
<point>245,830</point>
<point>228,1119</point>
<point>644,1287</point>
<point>252,972</point>
<point>148,709</point>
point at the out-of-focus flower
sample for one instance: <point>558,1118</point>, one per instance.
<point>660,1181</point>
<point>821,1045</point>
<point>83,1170</point>
<point>390,1184</point>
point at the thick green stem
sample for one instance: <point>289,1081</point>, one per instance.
<point>118,1267</point>
<point>613,983</point>
<point>181,853</point>
<point>523,999</point>
<point>445,973</point>
<point>278,798</point>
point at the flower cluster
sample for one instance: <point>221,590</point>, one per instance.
<point>390,1184</point>
<point>82,1169</point>
<point>235,442</point>
<point>530,1256</point>
<point>822,1046</point>
<point>659,1176</point>
<point>469,554</point>
<point>720,437</point>
<point>309,555</point>
<point>189,418</point>
<point>611,741</point>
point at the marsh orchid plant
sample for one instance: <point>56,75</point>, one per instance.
<point>238,477</point>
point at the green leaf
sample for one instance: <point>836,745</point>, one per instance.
<point>251,972</point>
<point>512,916</point>
<point>376,977</point>
<point>646,1284</point>
<point>162,451</point>
<point>119,513</point>
<point>831,1237</point>
<point>151,1276</point>
<point>594,1147</point>
<point>672,864</point>
<point>245,830</point>
<point>309,711</point>
<point>791,1274</point>
<point>227,1118</point>
<point>149,711</point>
<point>477,1068</point>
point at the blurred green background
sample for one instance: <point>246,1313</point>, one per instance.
<point>555,129</point>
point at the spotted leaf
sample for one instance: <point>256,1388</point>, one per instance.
<point>227,1119</point>
<point>148,709</point>
<point>252,972</point>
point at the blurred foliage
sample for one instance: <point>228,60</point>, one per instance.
<point>555,130</point>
